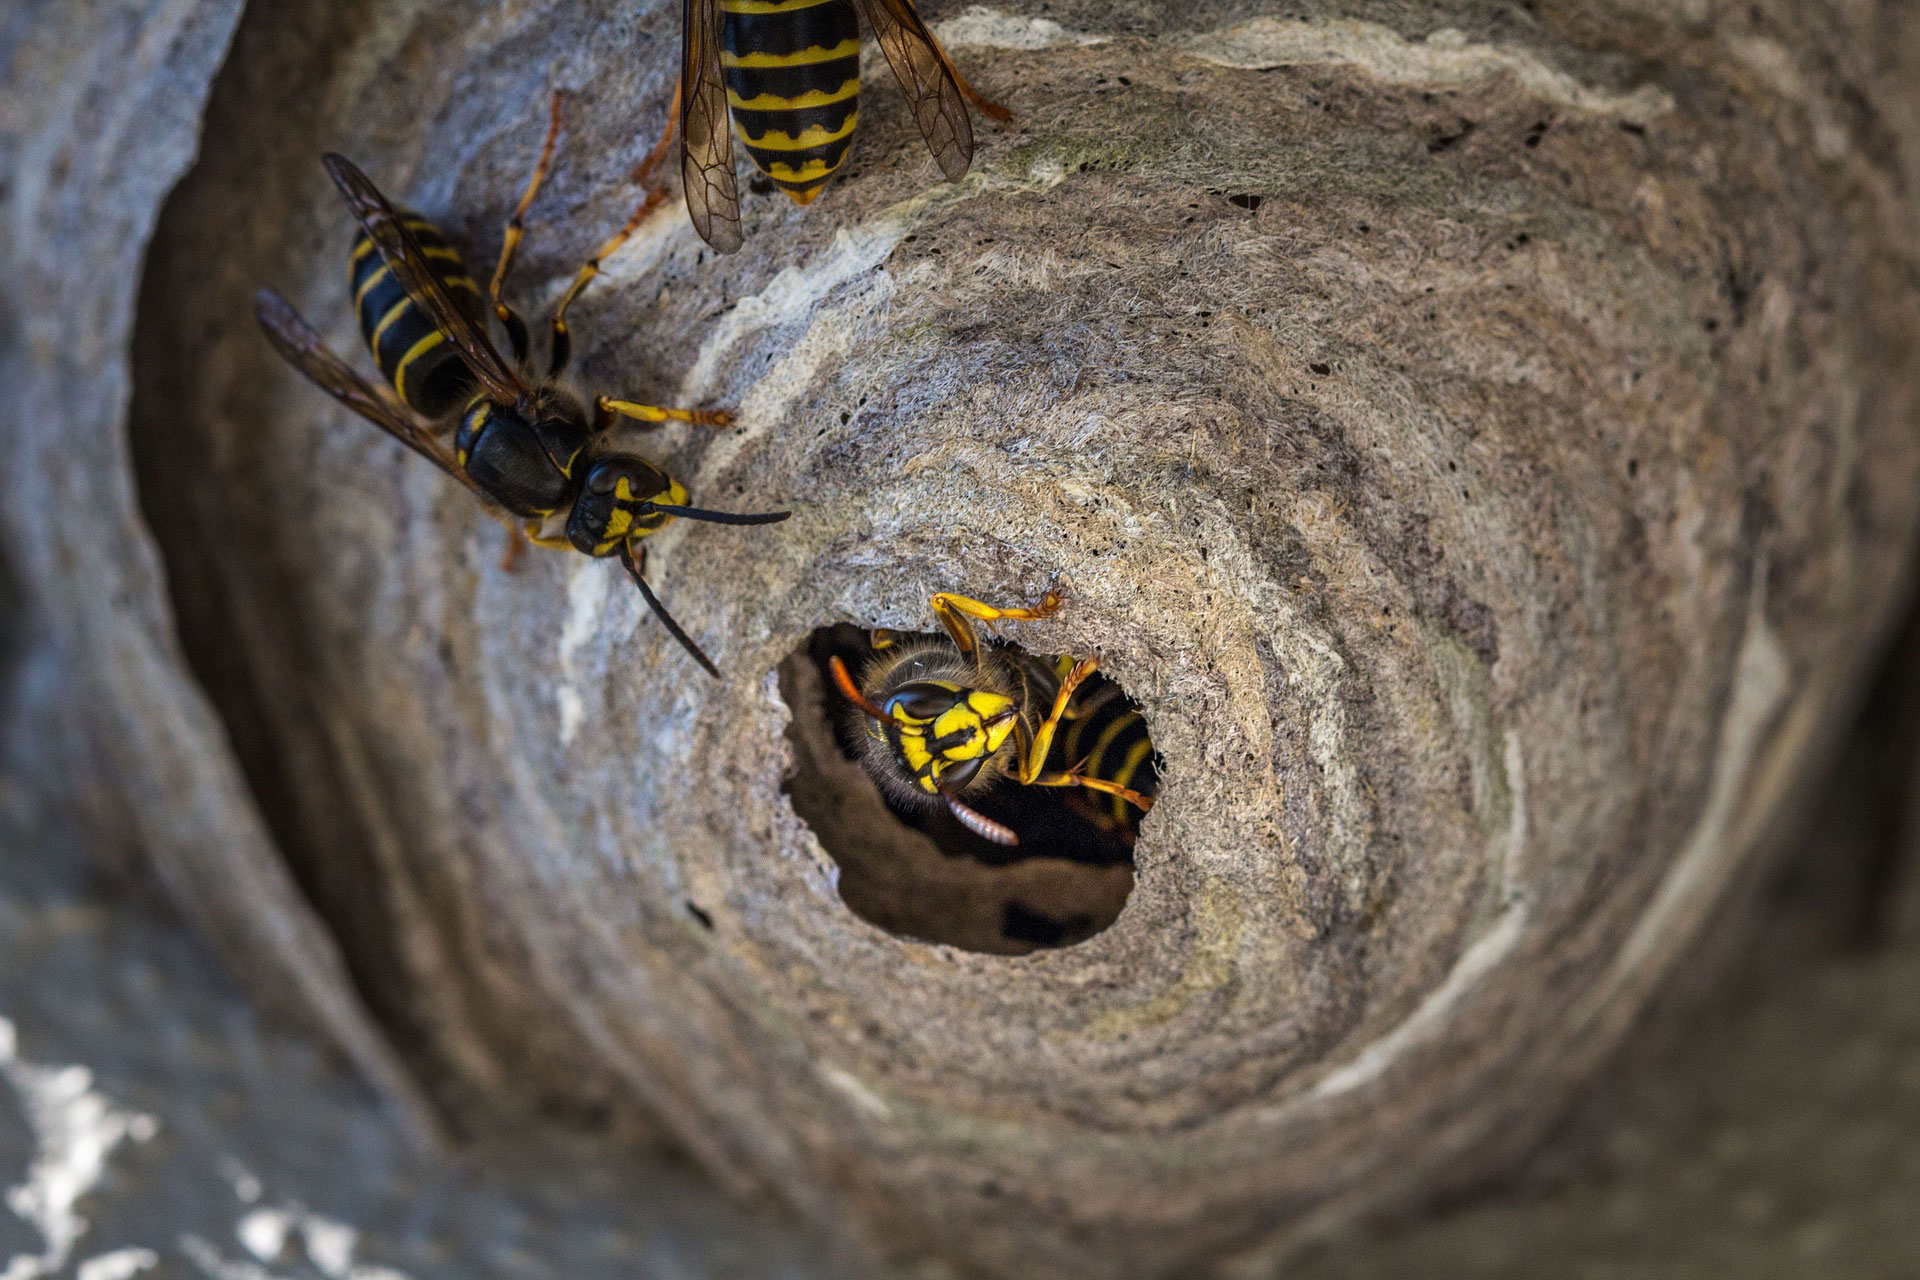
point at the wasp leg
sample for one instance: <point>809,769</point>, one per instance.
<point>643,172</point>
<point>985,105</point>
<point>606,409</point>
<point>953,612</point>
<point>1074,778</point>
<point>988,107</point>
<point>511,551</point>
<point>1033,760</point>
<point>516,231</point>
<point>562,340</point>
<point>523,534</point>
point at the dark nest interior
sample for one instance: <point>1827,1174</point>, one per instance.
<point>918,872</point>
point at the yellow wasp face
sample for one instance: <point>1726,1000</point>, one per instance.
<point>943,733</point>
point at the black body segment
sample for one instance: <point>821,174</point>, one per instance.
<point>423,368</point>
<point>792,71</point>
<point>503,454</point>
<point>1106,738</point>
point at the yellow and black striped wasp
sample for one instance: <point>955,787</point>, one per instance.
<point>945,721</point>
<point>528,448</point>
<point>785,74</point>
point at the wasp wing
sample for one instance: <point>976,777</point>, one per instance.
<point>932,89</point>
<point>302,348</point>
<point>403,257</point>
<point>706,132</point>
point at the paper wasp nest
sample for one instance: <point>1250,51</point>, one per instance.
<point>1481,441</point>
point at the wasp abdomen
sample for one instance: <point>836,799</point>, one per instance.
<point>426,372</point>
<point>793,82</point>
<point>1107,739</point>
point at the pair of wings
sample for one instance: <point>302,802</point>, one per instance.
<point>295,339</point>
<point>706,148</point>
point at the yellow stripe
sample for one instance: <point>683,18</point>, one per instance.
<point>367,285</point>
<point>418,349</point>
<point>1125,778</point>
<point>1081,712</point>
<point>1104,741</point>
<point>811,98</point>
<point>373,281</point>
<point>818,136</point>
<point>365,244</point>
<point>477,422</point>
<point>444,254</point>
<point>849,48</point>
<point>394,312</point>
<point>769,6</point>
<point>1131,764</point>
<point>814,170</point>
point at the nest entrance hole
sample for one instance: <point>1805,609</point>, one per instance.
<point>917,872</point>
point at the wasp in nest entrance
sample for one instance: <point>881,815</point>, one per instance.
<point>971,791</point>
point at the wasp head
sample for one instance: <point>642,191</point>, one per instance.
<point>942,734</point>
<point>614,506</point>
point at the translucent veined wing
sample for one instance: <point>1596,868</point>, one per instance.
<point>296,341</point>
<point>706,132</point>
<point>383,225</point>
<point>932,89</point>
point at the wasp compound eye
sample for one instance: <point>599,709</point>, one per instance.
<point>922,702</point>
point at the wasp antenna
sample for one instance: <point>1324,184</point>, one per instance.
<point>979,823</point>
<point>666,619</point>
<point>717,517</point>
<point>851,691</point>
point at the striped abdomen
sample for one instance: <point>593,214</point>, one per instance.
<point>423,367</point>
<point>1108,739</point>
<point>793,80</point>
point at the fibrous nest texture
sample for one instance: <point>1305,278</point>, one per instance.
<point>1479,437</point>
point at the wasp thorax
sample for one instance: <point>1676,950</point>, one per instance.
<point>504,455</point>
<point>614,504</point>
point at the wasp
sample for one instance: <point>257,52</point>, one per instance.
<point>785,75</point>
<point>530,449</point>
<point>946,720</point>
